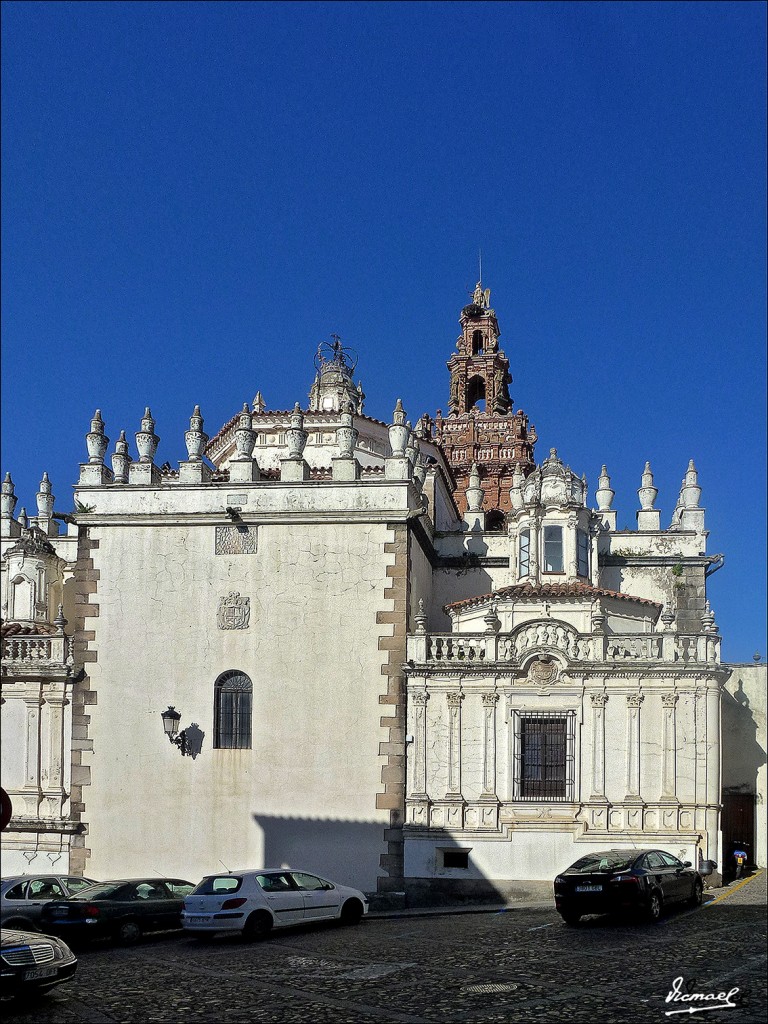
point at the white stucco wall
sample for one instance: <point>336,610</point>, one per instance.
<point>306,792</point>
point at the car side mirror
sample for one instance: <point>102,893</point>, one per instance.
<point>687,864</point>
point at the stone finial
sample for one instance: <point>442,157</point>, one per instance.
<point>7,498</point>
<point>146,438</point>
<point>474,492</point>
<point>421,618</point>
<point>23,521</point>
<point>419,471</point>
<point>516,490</point>
<point>121,460</point>
<point>667,618</point>
<point>296,435</point>
<point>412,448</point>
<point>399,432</point>
<point>60,622</point>
<point>647,492</point>
<point>245,439</point>
<point>690,492</point>
<point>346,433</point>
<point>604,492</point>
<point>96,440</point>
<point>194,438</point>
<point>45,499</point>
<point>708,619</point>
<point>491,619</point>
<point>259,404</point>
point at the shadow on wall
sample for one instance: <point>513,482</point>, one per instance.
<point>348,852</point>
<point>742,754</point>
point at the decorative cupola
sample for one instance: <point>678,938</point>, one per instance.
<point>334,389</point>
<point>552,532</point>
<point>481,426</point>
<point>33,580</point>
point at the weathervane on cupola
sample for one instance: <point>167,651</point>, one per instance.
<point>333,387</point>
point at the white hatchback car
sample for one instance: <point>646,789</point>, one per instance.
<point>254,902</point>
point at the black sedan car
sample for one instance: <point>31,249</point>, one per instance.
<point>122,909</point>
<point>618,881</point>
<point>32,962</point>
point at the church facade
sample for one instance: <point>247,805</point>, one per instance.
<point>411,659</point>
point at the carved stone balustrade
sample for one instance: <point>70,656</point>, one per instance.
<point>44,652</point>
<point>613,648</point>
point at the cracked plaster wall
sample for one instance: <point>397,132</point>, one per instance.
<point>311,653</point>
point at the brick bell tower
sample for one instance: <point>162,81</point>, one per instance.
<point>481,426</point>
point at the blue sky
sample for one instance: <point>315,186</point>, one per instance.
<point>196,194</point>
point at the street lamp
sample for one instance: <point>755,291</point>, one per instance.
<point>171,719</point>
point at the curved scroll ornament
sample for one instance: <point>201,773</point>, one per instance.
<point>555,635</point>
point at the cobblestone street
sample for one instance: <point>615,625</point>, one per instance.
<point>520,964</point>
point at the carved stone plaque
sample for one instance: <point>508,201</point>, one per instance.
<point>234,611</point>
<point>236,540</point>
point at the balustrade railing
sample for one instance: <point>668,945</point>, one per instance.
<point>39,650</point>
<point>611,648</point>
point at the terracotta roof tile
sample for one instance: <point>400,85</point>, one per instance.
<point>27,629</point>
<point>534,591</point>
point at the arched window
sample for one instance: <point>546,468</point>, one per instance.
<point>233,698</point>
<point>495,521</point>
<point>476,394</point>
<point>477,343</point>
<point>22,604</point>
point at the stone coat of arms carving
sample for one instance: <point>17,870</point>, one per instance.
<point>234,611</point>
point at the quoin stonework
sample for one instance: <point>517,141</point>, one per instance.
<point>416,659</point>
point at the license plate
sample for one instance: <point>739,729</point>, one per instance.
<point>589,888</point>
<point>37,973</point>
<point>198,920</point>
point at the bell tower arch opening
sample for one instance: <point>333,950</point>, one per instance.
<point>482,426</point>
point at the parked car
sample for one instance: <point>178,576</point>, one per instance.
<point>254,902</point>
<point>617,881</point>
<point>122,909</point>
<point>22,897</point>
<point>32,962</point>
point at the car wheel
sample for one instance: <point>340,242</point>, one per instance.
<point>571,918</point>
<point>128,932</point>
<point>258,926</point>
<point>654,908</point>
<point>351,912</point>
<point>21,924</point>
<point>697,896</point>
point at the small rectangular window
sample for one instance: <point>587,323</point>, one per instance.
<point>455,858</point>
<point>553,549</point>
<point>583,553</point>
<point>525,553</point>
<point>544,756</point>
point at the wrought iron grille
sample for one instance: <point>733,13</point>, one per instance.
<point>234,704</point>
<point>544,755</point>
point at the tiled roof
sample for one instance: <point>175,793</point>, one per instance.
<point>535,591</point>
<point>27,629</point>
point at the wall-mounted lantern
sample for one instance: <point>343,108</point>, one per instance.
<point>189,740</point>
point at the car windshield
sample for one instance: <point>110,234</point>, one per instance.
<point>214,885</point>
<point>614,860</point>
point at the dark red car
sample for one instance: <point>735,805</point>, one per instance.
<point>621,881</point>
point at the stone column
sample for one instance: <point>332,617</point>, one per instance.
<point>598,701</point>
<point>713,744</point>
<point>419,701</point>
<point>634,700</point>
<point>490,701</point>
<point>454,745</point>
<point>669,748</point>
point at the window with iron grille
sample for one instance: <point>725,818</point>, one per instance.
<point>525,553</point>
<point>233,710</point>
<point>544,755</point>
<point>583,553</point>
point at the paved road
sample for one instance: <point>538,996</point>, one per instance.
<point>518,965</point>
